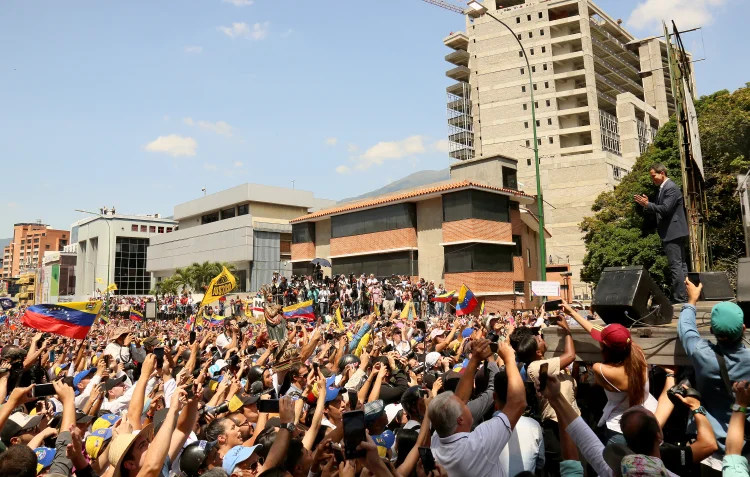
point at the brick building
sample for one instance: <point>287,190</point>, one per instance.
<point>26,251</point>
<point>462,231</point>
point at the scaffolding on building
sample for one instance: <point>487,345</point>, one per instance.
<point>460,128</point>
<point>610,132</point>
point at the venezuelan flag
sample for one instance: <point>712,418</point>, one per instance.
<point>66,319</point>
<point>446,297</point>
<point>300,310</point>
<point>135,315</point>
<point>216,319</point>
<point>466,301</point>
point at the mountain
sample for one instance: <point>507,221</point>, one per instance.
<point>417,179</point>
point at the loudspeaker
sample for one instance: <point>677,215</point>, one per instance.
<point>630,297</point>
<point>716,286</point>
<point>743,287</point>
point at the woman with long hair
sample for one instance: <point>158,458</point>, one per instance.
<point>623,373</point>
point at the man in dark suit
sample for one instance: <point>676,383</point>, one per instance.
<point>671,225</point>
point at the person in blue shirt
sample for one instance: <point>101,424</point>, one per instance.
<point>728,327</point>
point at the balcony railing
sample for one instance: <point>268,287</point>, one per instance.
<point>632,84</point>
<point>614,40</point>
<point>614,54</point>
<point>610,132</point>
<point>609,83</point>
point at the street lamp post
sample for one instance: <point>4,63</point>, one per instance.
<point>109,252</point>
<point>476,10</point>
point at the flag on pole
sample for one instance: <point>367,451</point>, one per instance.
<point>136,315</point>
<point>222,284</point>
<point>481,309</point>
<point>72,319</point>
<point>300,310</point>
<point>466,301</point>
<point>217,320</point>
<point>446,297</point>
<point>363,343</point>
<point>339,321</point>
<point>408,312</point>
<point>111,287</point>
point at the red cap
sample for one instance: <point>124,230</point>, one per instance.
<point>613,336</point>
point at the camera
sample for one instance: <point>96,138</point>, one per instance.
<point>419,368</point>
<point>679,389</point>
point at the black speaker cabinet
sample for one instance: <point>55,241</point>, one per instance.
<point>743,287</point>
<point>716,286</point>
<point>629,296</point>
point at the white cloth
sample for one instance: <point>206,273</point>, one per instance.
<point>618,403</point>
<point>83,398</point>
<point>119,353</point>
<point>525,449</point>
<point>474,454</point>
<point>222,341</point>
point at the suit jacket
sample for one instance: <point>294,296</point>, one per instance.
<point>669,209</point>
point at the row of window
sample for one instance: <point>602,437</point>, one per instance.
<point>528,17</point>
<point>381,219</point>
<point>536,104</point>
<point>531,51</point>
<point>131,276</point>
<point>523,87</point>
<point>227,213</point>
<point>531,34</point>
<point>475,204</point>
<point>151,229</point>
<point>383,265</point>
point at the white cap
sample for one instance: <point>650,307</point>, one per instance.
<point>391,410</point>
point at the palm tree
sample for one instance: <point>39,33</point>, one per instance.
<point>183,278</point>
<point>202,274</point>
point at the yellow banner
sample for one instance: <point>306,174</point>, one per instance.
<point>222,284</point>
<point>339,321</point>
<point>111,287</point>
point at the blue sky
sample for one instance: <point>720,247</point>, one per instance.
<point>141,103</point>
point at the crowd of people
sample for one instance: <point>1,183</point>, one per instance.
<point>432,395</point>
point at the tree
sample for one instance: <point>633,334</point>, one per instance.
<point>619,233</point>
<point>183,278</point>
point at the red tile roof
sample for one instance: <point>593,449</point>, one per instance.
<point>386,199</point>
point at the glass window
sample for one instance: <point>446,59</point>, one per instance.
<point>509,178</point>
<point>528,17</point>
<point>520,54</point>
<point>161,230</point>
<point>382,265</point>
<point>169,229</point>
<point>208,218</point>
<point>134,228</point>
<point>144,228</point>
<point>475,204</point>
<point>523,89</point>
<point>152,229</point>
<point>544,67</point>
<point>130,272</point>
<point>243,209</point>
<point>480,257</point>
<point>518,251</point>
<point>303,233</point>
<point>551,140</point>
<point>528,258</point>
<point>381,219</point>
<point>548,103</point>
<point>525,106</point>
<point>522,70</point>
<point>541,15</point>
<point>518,288</point>
<point>228,213</point>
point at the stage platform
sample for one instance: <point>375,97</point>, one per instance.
<point>660,343</point>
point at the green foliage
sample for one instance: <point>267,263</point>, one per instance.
<point>195,277</point>
<point>619,233</point>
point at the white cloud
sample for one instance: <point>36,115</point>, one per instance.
<point>442,145</point>
<point>193,49</point>
<point>408,148</point>
<point>238,164</point>
<point>239,3</point>
<point>174,145</point>
<point>221,128</point>
<point>209,167</point>
<point>648,14</point>
<point>352,148</point>
<point>331,141</point>
<point>342,169</point>
<point>287,33</point>
<point>242,30</point>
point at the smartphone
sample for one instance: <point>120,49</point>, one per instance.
<point>52,356</point>
<point>337,452</point>
<point>353,399</point>
<point>543,370</point>
<point>316,366</point>
<point>493,347</point>
<point>159,353</point>
<point>428,461</point>
<point>695,278</point>
<point>268,405</point>
<point>192,337</point>
<point>552,305</point>
<point>43,390</point>
<point>354,433</point>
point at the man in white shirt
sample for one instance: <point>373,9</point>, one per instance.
<point>461,451</point>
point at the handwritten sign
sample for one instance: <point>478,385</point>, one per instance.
<point>545,288</point>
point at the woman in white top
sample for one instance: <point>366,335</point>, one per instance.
<point>623,373</point>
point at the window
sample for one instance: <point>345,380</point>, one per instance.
<point>303,233</point>
<point>382,265</point>
<point>228,213</point>
<point>518,19</point>
<point>523,89</point>
<point>531,35</point>
<point>208,218</point>
<point>549,121</point>
<point>534,87</point>
<point>526,124</point>
<point>551,140</point>
<point>518,288</point>
<point>541,15</point>
<point>548,103</point>
<point>525,106</point>
<point>519,36</point>
<point>528,258</point>
<point>134,228</point>
<point>528,143</point>
<point>152,229</point>
<point>475,204</point>
<point>131,276</point>
<point>169,229</point>
<point>243,209</point>
<point>544,50</point>
<point>533,69</point>
<point>520,54</point>
<point>546,84</point>
<point>528,161</point>
<point>538,123</point>
<point>544,67</point>
<point>536,104</point>
<point>23,241</point>
<point>538,142</point>
<point>36,240</point>
<point>144,228</point>
<point>541,32</point>
<point>510,180</point>
<point>480,257</point>
<point>518,250</point>
<point>532,52</point>
<point>528,17</point>
<point>392,217</point>
<point>522,70</point>
<point>161,230</point>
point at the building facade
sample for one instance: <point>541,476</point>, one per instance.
<point>112,250</point>
<point>463,231</point>
<point>56,279</point>
<point>599,93</point>
<point>246,226</point>
<point>26,250</point>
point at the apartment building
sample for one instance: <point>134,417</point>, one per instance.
<point>26,250</point>
<point>600,95</point>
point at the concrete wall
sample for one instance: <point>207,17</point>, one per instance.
<point>276,211</point>
<point>488,170</point>
<point>429,236</point>
<point>323,242</point>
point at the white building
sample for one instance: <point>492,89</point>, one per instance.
<point>112,249</point>
<point>246,226</point>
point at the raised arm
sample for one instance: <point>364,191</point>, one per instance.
<point>585,324</point>
<point>479,352</point>
<point>158,451</point>
<point>687,329</point>
<point>516,402</point>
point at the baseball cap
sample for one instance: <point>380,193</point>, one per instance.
<point>613,336</point>
<point>727,320</point>
<point>373,410</point>
<point>105,422</point>
<point>431,359</point>
<point>467,332</point>
<point>385,440</point>
<point>83,418</point>
<point>240,400</point>
<point>391,410</point>
<point>435,333</point>
<point>332,392</point>
<point>17,422</point>
<point>86,373</point>
<point>237,455</point>
<point>111,383</point>
<point>151,341</point>
<point>97,441</point>
<point>44,457</point>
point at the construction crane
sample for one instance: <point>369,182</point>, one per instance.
<point>447,6</point>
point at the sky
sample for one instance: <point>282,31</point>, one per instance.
<point>140,104</point>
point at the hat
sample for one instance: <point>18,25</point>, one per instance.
<point>152,341</point>
<point>467,332</point>
<point>193,456</point>
<point>120,446</point>
<point>386,439</point>
<point>111,383</point>
<point>44,457</point>
<point>727,320</point>
<point>435,333</point>
<point>17,422</point>
<point>96,441</point>
<point>332,393</point>
<point>105,422</point>
<point>119,332</point>
<point>373,410</point>
<point>431,359</point>
<point>237,455</point>
<point>637,465</point>
<point>391,410</point>
<point>82,375</point>
<point>613,336</point>
<point>83,418</point>
<point>240,400</point>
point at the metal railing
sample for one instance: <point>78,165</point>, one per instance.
<point>614,54</point>
<point>609,82</point>
<point>617,42</point>
<point>614,70</point>
<point>610,132</point>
